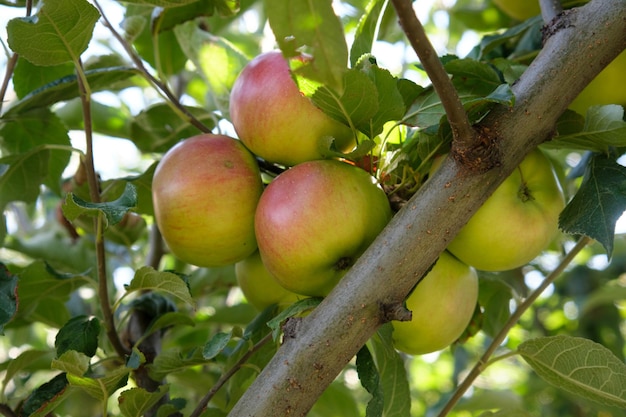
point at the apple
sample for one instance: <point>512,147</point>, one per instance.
<point>259,286</point>
<point>275,120</point>
<point>442,306</point>
<point>205,191</point>
<point>314,220</point>
<point>519,9</point>
<point>606,88</point>
<point>517,222</point>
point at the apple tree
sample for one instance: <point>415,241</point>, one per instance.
<point>287,208</point>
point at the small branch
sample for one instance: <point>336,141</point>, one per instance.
<point>94,193</point>
<point>517,314</point>
<point>226,376</point>
<point>550,9</point>
<point>160,86</point>
<point>6,411</point>
<point>462,131</point>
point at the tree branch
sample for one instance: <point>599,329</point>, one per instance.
<point>550,9</point>
<point>334,332</point>
<point>462,131</point>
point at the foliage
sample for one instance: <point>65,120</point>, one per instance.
<point>95,311</point>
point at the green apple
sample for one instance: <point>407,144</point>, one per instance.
<point>607,88</point>
<point>314,220</point>
<point>259,286</point>
<point>205,191</point>
<point>519,9</point>
<point>275,120</point>
<point>517,222</point>
<point>442,305</point>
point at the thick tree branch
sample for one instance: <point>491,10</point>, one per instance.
<point>462,131</point>
<point>334,332</point>
<point>550,9</point>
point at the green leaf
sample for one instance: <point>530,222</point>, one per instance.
<point>101,388</point>
<point>299,23</point>
<point>72,362</point>
<point>38,130</point>
<point>142,184</point>
<point>494,297</point>
<point>45,306</point>
<point>108,120</point>
<point>161,3</point>
<point>604,128</point>
<point>58,33</point>
<point>392,375</point>
<point>27,362</point>
<point>216,345</point>
<point>28,77</point>
<point>599,202</point>
<point>173,360</point>
<point>79,334</point>
<point>8,296</point>
<point>46,397</point>
<point>370,380</point>
<point>367,30</point>
<point>579,366</point>
<point>158,128</point>
<point>147,278</point>
<point>293,310</point>
<point>66,88</point>
<point>114,211</point>
<point>22,175</point>
<point>135,402</point>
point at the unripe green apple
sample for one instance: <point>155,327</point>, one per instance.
<point>442,305</point>
<point>205,191</point>
<point>314,220</point>
<point>259,286</point>
<point>275,120</point>
<point>519,9</point>
<point>517,222</point>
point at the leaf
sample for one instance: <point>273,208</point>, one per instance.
<point>58,33</point>
<point>79,334</point>
<point>579,366</point>
<point>146,278</point>
<point>8,296</point>
<point>370,380</point>
<point>293,310</point>
<point>114,211</point>
<point>367,30</point>
<point>604,128</point>
<point>27,362</point>
<point>28,77</point>
<point>22,175</point>
<point>173,360</point>
<point>393,379</point>
<point>216,345</point>
<point>66,88</point>
<point>135,402</point>
<point>101,388</point>
<point>599,202</point>
<point>161,3</point>
<point>38,130</point>
<point>298,23</point>
<point>45,397</point>
<point>108,120</point>
<point>158,128</point>
<point>143,186</point>
<point>72,362</point>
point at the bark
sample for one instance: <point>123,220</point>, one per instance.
<point>580,44</point>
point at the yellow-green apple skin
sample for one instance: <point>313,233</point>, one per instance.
<point>275,120</point>
<point>314,220</point>
<point>442,305</point>
<point>519,9</point>
<point>205,191</point>
<point>609,87</point>
<point>259,286</point>
<point>517,222</point>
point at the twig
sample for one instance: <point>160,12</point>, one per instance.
<point>462,131</point>
<point>550,9</point>
<point>6,411</point>
<point>94,193</point>
<point>226,376</point>
<point>160,86</point>
<point>499,338</point>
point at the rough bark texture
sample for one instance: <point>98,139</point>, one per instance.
<point>581,43</point>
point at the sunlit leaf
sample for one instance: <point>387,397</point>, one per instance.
<point>367,30</point>
<point>173,360</point>
<point>102,387</point>
<point>135,402</point>
<point>599,202</point>
<point>146,278</point>
<point>114,211</point>
<point>579,366</point>
<point>8,296</point>
<point>71,362</point>
<point>58,33</point>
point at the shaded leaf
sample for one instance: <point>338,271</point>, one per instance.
<point>161,3</point>
<point>79,334</point>
<point>296,308</point>
<point>135,402</point>
<point>147,278</point>
<point>108,120</point>
<point>578,366</point>
<point>28,77</point>
<point>114,211</point>
<point>45,397</point>
<point>216,345</point>
<point>27,361</point>
<point>599,202</point>
<point>8,296</point>
<point>298,23</point>
<point>367,30</point>
<point>22,175</point>
<point>58,33</point>
<point>370,380</point>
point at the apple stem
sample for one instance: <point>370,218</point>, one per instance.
<point>524,192</point>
